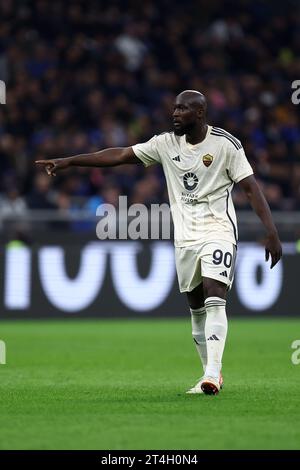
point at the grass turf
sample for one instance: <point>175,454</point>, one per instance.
<point>121,385</point>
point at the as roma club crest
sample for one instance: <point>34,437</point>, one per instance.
<point>207,159</point>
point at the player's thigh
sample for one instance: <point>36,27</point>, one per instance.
<point>217,267</point>
<point>196,297</point>
<point>188,267</point>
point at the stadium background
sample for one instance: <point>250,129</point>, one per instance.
<point>81,76</point>
<point>85,76</point>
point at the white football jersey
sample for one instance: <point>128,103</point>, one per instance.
<point>200,179</point>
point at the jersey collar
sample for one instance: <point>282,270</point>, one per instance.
<point>196,146</point>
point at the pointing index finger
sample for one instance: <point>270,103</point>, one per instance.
<point>42,162</point>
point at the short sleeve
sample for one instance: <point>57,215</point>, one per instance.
<point>148,152</point>
<point>238,165</point>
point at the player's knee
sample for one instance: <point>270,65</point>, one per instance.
<point>196,298</point>
<point>195,302</point>
<point>214,288</point>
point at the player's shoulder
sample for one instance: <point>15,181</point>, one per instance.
<point>168,138</point>
<point>225,137</point>
<point>166,135</point>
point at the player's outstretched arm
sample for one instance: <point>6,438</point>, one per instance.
<point>108,157</point>
<point>262,209</point>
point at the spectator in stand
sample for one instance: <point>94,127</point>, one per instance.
<point>85,76</point>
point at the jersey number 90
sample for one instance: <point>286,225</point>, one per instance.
<point>219,257</point>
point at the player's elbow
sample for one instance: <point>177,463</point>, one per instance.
<point>249,191</point>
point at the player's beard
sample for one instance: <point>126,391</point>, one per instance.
<point>179,131</point>
<point>182,130</point>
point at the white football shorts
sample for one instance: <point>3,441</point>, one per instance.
<point>213,259</point>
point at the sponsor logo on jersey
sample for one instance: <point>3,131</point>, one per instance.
<point>190,181</point>
<point>207,159</point>
<point>176,159</point>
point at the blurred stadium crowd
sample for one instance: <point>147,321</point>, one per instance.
<point>85,75</point>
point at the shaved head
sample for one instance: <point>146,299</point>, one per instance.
<point>194,98</point>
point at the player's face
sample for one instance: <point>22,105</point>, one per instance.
<point>184,117</point>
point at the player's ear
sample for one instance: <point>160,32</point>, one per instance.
<point>200,113</point>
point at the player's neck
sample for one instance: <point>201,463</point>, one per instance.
<point>195,136</point>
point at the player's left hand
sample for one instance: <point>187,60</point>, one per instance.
<point>273,249</point>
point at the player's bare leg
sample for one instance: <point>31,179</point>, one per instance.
<point>215,333</point>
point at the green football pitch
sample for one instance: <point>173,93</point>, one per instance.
<point>80,384</point>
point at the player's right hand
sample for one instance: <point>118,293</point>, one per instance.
<point>52,166</point>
